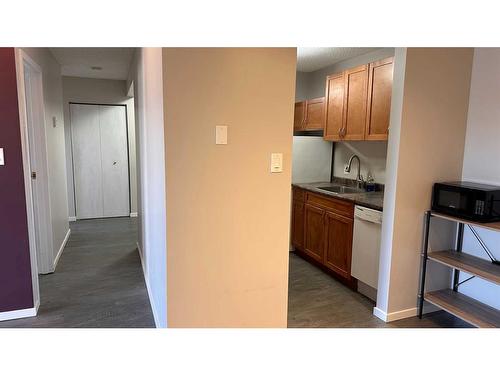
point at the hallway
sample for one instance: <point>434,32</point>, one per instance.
<point>98,282</point>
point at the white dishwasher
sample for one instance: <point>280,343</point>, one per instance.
<point>366,248</point>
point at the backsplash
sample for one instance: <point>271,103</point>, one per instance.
<point>372,154</point>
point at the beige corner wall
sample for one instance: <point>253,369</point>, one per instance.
<point>227,215</point>
<point>426,145</point>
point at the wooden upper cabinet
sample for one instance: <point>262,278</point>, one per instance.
<point>358,103</point>
<point>379,99</point>
<point>338,243</point>
<point>299,116</point>
<point>334,107</point>
<point>354,121</point>
<point>315,112</point>
<point>309,115</point>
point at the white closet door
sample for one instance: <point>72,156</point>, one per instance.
<point>85,134</point>
<point>114,160</point>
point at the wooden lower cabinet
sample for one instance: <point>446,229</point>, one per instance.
<point>298,224</point>
<point>314,232</point>
<point>322,229</point>
<point>338,243</point>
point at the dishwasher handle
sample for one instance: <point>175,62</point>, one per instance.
<point>367,214</point>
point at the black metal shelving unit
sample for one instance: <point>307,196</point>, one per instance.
<point>451,300</point>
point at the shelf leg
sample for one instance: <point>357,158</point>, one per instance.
<point>425,247</point>
<point>460,241</point>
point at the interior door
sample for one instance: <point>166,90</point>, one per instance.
<point>39,169</point>
<point>86,142</point>
<point>114,160</point>
<point>100,159</point>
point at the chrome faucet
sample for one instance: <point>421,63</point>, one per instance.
<point>347,168</point>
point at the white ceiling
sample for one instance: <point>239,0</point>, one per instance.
<point>77,62</point>
<point>310,59</point>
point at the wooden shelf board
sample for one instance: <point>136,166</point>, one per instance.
<point>472,311</point>
<point>468,263</point>
<point>492,226</point>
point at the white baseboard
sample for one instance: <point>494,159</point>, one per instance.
<point>151,300</point>
<point>133,214</point>
<point>397,315</point>
<point>72,218</point>
<point>18,314</point>
<point>61,249</point>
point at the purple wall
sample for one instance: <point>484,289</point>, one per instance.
<point>15,269</point>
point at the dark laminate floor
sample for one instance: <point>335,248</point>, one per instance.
<point>315,299</point>
<point>98,282</point>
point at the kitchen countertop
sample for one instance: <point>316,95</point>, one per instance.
<point>373,199</point>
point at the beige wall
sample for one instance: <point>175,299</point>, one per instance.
<point>481,156</point>
<point>98,91</point>
<point>426,145</point>
<point>227,215</point>
<point>54,136</point>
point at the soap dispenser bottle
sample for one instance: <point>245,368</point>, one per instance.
<point>370,182</point>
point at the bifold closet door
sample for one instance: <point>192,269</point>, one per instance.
<point>114,160</point>
<point>100,160</point>
<point>85,132</point>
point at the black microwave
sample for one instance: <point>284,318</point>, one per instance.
<point>467,200</point>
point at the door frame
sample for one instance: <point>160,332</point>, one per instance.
<point>21,58</point>
<point>128,152</point>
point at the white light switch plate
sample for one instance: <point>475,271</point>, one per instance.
<point>2,160</point>
<point>276,163</point>
<point>221,135</point>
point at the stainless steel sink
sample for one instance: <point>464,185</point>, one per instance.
<point>341,189</point>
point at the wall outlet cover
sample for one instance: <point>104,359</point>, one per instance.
<point>221,135</point>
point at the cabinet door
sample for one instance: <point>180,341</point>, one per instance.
<point>334,107</point>
<point>298,224</point>
<point>379,99</point>
<point>356,91</point>
<point>314,232</point>
<point>299,116</point>
<point>315,114</point>
<point>338,244</point>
